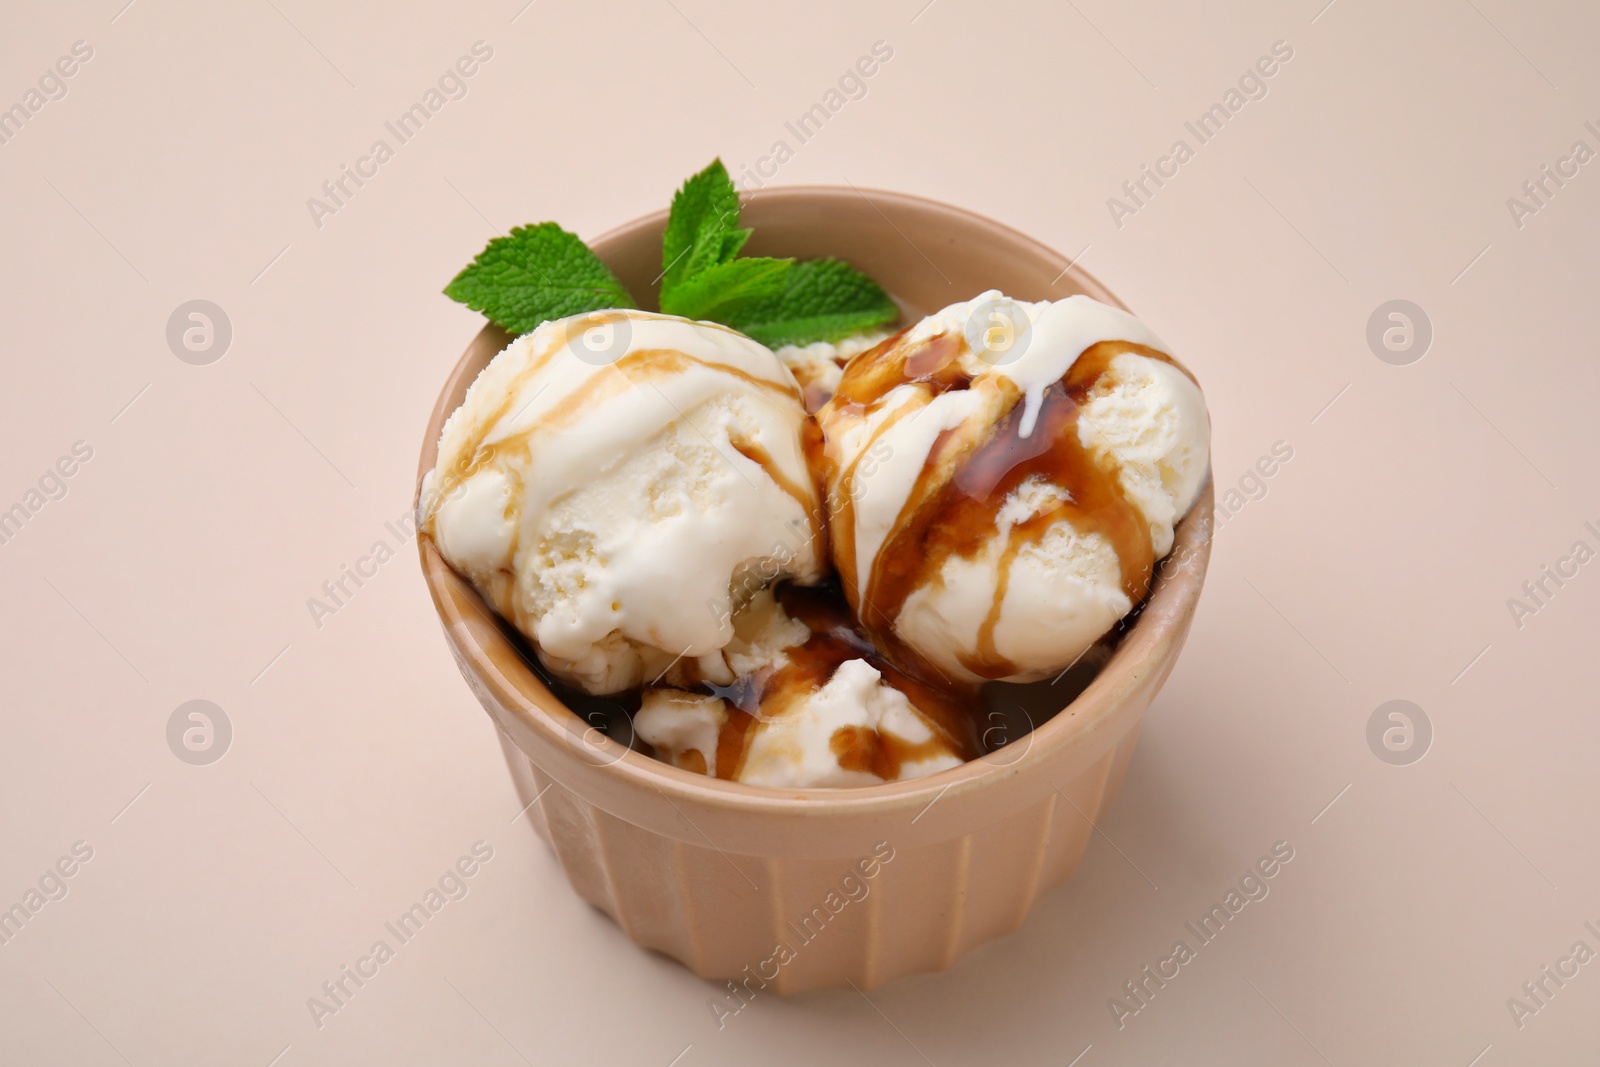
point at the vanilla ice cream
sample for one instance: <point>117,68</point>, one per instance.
<point>813,707</point>
<point>618,483</point>
<point>818,366</point>
<point>1002,477</point>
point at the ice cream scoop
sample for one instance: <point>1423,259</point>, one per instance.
<point>1002,477</point>
<point>814,706</point>
<point>617,483</point>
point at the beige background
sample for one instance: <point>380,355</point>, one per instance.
<point>219,498</point>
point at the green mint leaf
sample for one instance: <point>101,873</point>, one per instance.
<point>720,291</point>
<point>536,274</point>
<point>733,241</point>
<point>703,227</point>
<point>822,300</point>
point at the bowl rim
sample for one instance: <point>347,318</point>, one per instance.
<point>1162,624</point>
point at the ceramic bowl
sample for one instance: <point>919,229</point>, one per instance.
<point>793,889</point>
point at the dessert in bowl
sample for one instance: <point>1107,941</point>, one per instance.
<point>699,810</point>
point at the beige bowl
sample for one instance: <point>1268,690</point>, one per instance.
<point>793,889</point>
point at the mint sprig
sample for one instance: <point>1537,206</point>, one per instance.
<point>700,276</point>
<point>777,302</point>
<point>542,272</point>
<point>822,300</point>
<point>718,292</point>
<point>702,228</point>
<point>535,274</point>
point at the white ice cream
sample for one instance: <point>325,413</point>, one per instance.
<point>817,366</point>
<point>1144,419</point>
<point>617,484</point>
<point>793,742</point>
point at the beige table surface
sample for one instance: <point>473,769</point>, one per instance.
<point>1377,563</point>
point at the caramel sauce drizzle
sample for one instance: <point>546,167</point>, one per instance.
<point>635,369</point>
<point>759,698</point>
<point>953,508</point>
<point>807,501</point>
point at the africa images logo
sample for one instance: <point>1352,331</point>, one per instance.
<point>1252,887</point>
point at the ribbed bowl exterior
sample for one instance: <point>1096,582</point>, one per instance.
<point>795,889</point>
<point>725,915</point>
